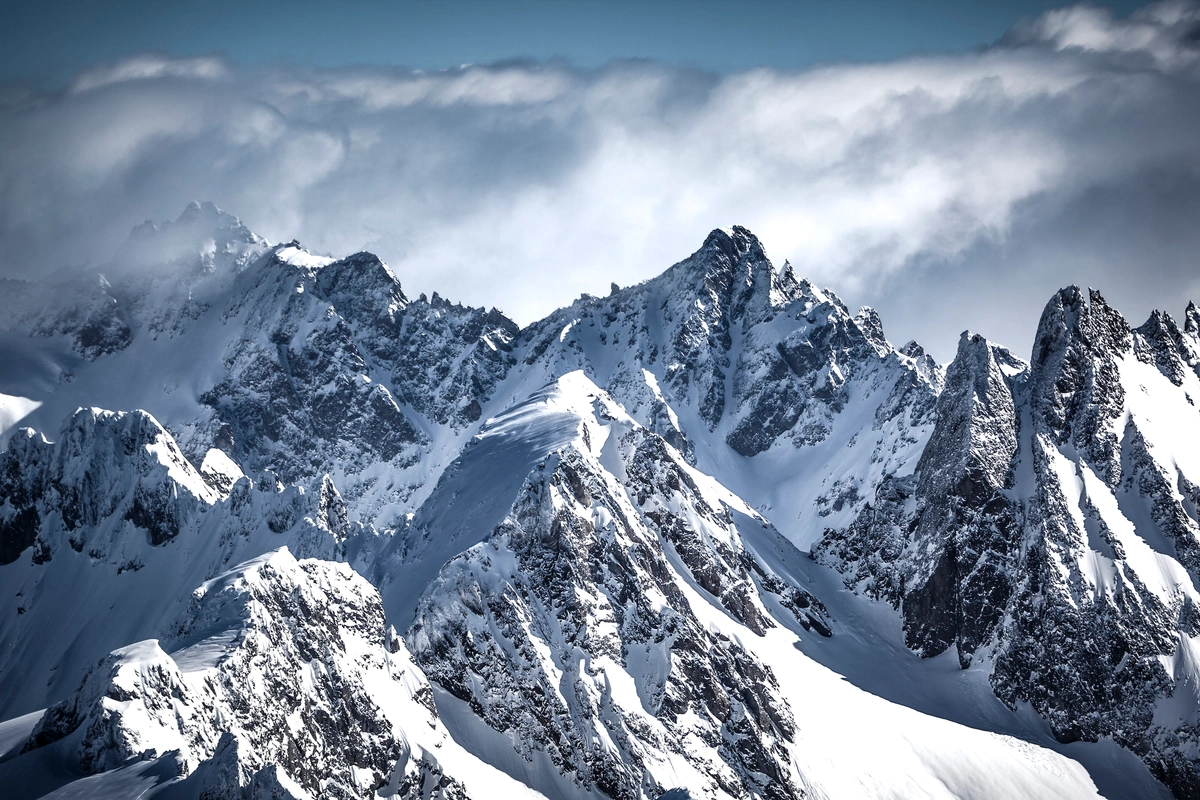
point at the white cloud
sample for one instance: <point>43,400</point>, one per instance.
<point>522,185</point>
<point>1155,32</point>
<point>147,67</point>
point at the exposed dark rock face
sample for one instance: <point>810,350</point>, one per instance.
<point>967,529</point>
<point>104,468</point>
<point>939,544</point>
<point>444,359</point>
<point>1098,652</point>
<point>345,371</point>
<point>1160,342</point>
<point>1028,531</point>
<point>303,379</point>
<point>282,682</point>
<point>1076,391</point>
<point>579,566</point>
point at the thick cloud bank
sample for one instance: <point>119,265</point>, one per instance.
<point>946,190</point>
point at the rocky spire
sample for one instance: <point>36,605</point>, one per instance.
<point>966,526</point>
<point>1076,390</point>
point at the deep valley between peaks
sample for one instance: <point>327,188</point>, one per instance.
<point>271,528</point>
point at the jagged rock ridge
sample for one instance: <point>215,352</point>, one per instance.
<point>1050,529</point>
<point>322,409</point>
<point>281,680</point>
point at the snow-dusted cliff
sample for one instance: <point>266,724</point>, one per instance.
<point>590,533</point>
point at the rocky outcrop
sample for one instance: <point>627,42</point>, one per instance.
<point>106,469</point>
<point>569,628</point>
<point>282,681</point>
<point>1049,529</point>
<point>939,544</point>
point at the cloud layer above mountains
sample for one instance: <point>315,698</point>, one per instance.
<point>946,190</point>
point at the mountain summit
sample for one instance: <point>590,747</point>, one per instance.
<point>270,527</point>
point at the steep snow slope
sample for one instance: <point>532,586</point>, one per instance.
<point>1040,521</point>
<point>1051,529</point>
<point>616,622</point>
<point>281,680</point>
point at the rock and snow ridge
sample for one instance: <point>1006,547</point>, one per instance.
<point>567,629</point>
<point>546,516</point>
<point>280,680</point>
<point>1050,530</point>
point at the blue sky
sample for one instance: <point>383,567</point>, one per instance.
<point>47,42</point>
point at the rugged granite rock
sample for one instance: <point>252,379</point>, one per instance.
<point>1050,528</point>
<point>282,681</point>
<point>567,629</point>
<point>545,514</point>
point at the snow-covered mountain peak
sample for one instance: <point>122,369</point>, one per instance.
<point>205,209</point>
<point>868,321</point>
<point>202,240</point>
<point>574,524</point>
<point>363,289</point>
<point>1071,318</point>
<point>107,444</point>
<point>278,666</point>
<point>159,282</point>
<point>573,394</point>
<point>1159,341</point>
<point>734,243</point>
<point>972,347</point>
<point>105,471</point>
<point>1075,384</point>
<point>478,488</point>
<point>728,273</point>
<point>1053,508</point>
